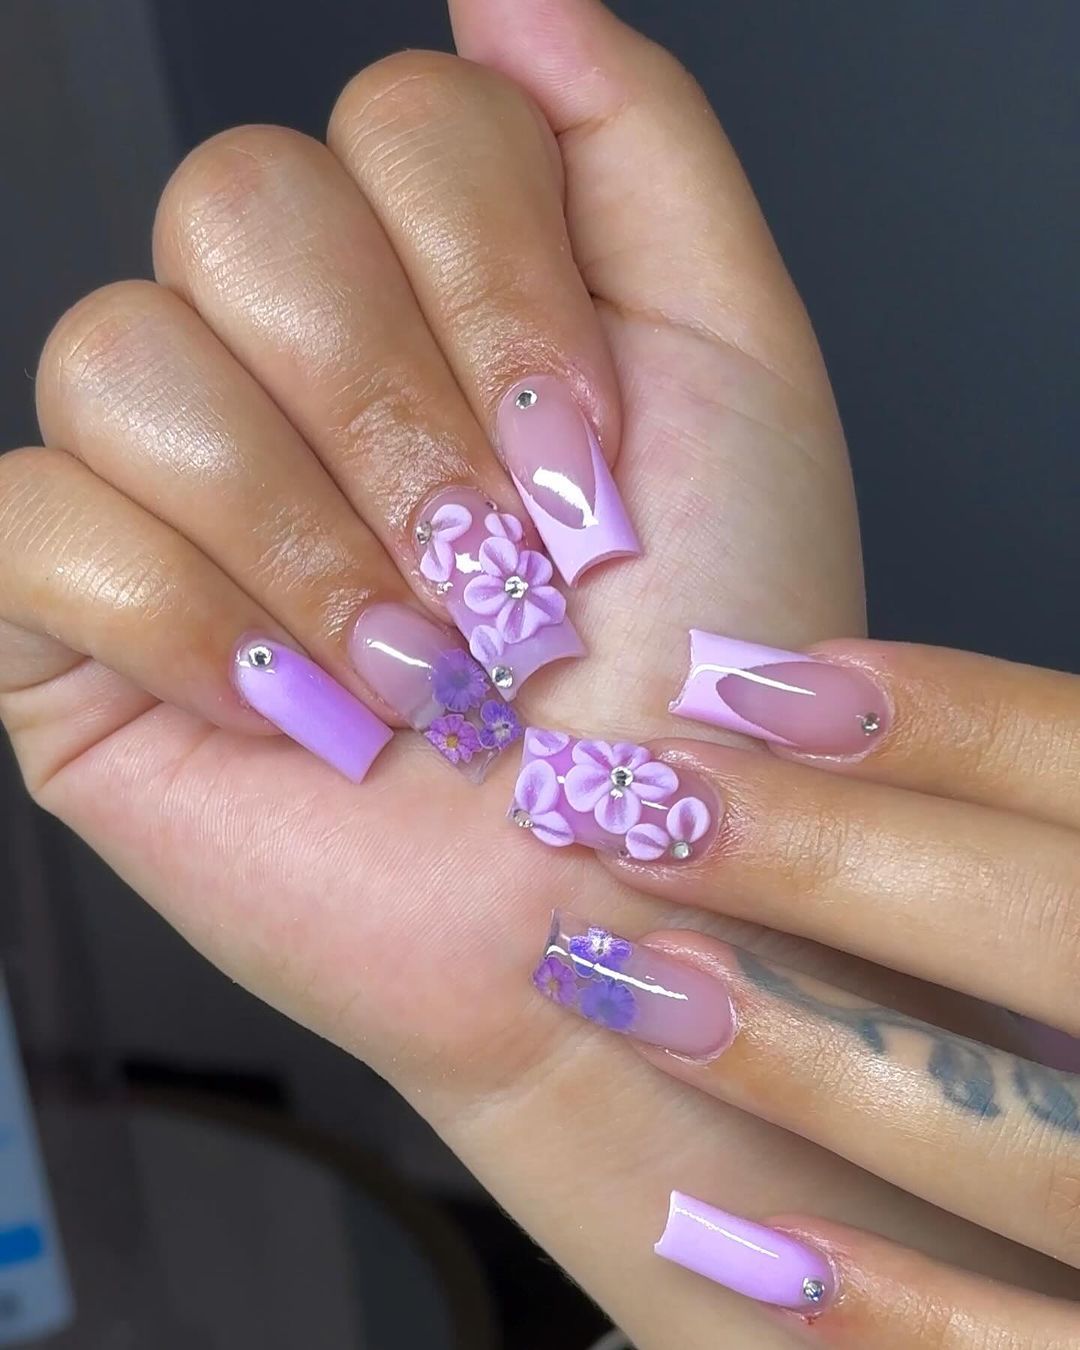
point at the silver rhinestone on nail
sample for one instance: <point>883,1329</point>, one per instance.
<point>515,587</point>
<point>260,656</point>
<point>621,776</point>
<point>423,532</point>
<point>526,399</point>
<point>870,722</point>
<point>813,1290</point>
<point>680,849</point>
<point>521,819</point>
<point>502,677</point>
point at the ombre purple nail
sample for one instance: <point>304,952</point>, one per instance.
<point>496,589</point>
<point>308,705</point>
<point>789,698</point>
<point>612,795</point>
<point>423,672</point>
<point>747,1257</point>
<point>562,476</point>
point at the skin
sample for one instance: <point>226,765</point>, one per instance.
<point>242,446</point>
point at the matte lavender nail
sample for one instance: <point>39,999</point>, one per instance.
<point>562,476</point>
<point>633,989</point>
<point>789,698</point>
<point>747,1257</point>
<point>424,673</point>
<point>614,796</point>
<point>309,706</point>
<point>496,590</point>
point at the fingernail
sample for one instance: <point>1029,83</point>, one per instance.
<point>309,706</point>
<point>633,989</point>
<point>423,672</point>
<point>747,1257</point>
<point>562,476</point>
<point>496,590</point>
<point>614,796</point>
<point>788,698</point>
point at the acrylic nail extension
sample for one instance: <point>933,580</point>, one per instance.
<point>562,476</point>
<point>635,990</point>
<point>497,590</point>
<point>424,673</point>
<point>613,796</point>
<point>309,706</point>
<point>788,698</point>
<point>747,1257</point>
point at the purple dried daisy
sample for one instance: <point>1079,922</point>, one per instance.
<point>454,738</point>
<point>555,980</point>
<point>599,947</point>
<point>500,725</point>
<point>457,681</point>
<point>609,1003</point>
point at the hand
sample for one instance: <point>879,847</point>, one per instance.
<point>246,447</point>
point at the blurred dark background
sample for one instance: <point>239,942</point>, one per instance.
<point>918,163</point>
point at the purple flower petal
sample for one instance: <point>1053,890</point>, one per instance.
<point>519,619</point>
<point>486,645</point>
<point>551,828</point>
<point>503,526</point>
<point>457,682</point>
<point>501,725</point>
<point>688,820</point>
<point>555,980</point>
<point>654,780</point>
<point>586,784</point>
<point>537,788</point>
<point>608,1002</point>
<point>550,602</point>
<point>618,812</point>
<point>533,567</point>
<point>499,558</point>
<point>451,521</point>
<point>599,946</point>
<point>647,842</point>
<point>485,595</point>
<point>595,753</point>
<point>437,563</point>
<point>454,738</point>
<point>629,755</point>
<point>545,743</point>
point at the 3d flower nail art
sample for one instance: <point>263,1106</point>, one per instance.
<point>611,795</point>
<point>498,590</point>
<point>632,989</point>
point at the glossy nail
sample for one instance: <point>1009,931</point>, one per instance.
<point>747,1257</point>
<point>634,990</point>
<point>794,700</point>
<point>424,673</point>
<point>497,590</point>
<point>614,796</point>
<point>562,476</point>
<point>309,706</point>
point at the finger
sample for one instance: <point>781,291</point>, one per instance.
<point>466,179</point>
<point>917,1105</point>
<point>365,382</point>
<point>951,723</point>
<point>848,1289</point>
<point>136,385</point>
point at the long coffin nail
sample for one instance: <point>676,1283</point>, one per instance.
<point>562,476</point>
<point>788,698</point>
<point>613,796</point>
<point>424,673</point>
<point>747,1257</point>
<point>634,989</point>
<point>497,591</point>
<point>309,706</point>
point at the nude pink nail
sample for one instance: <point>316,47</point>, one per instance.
<point>496,589</point>
<point>788,698</point>
<point>562,476</point>
<point>423,672</point>
<point>309,706</point>
<point>747,1257</point>
<point>634,989</point>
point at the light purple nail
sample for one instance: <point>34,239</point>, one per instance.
<point>562,476</point>
<point>424,673</point>
<point>747,1257</point>
<point>309,706</point>
<point>612,795</point>
<point>496,589</point>
<point>633,989</point>
<point>789,698</point>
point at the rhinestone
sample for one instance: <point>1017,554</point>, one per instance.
<point>870,722</point>
<point>515,587</point>
<point>526,399</point>
<point>260,656</point>
<point>521,819</point>
<point>502,677</point>
<point>680,849</point>
<point>443,587</point>
<point>423,532</point>
<point>813,1290</point>
<point>621,776</point>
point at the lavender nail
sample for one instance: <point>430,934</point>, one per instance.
<point>309,706</point>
